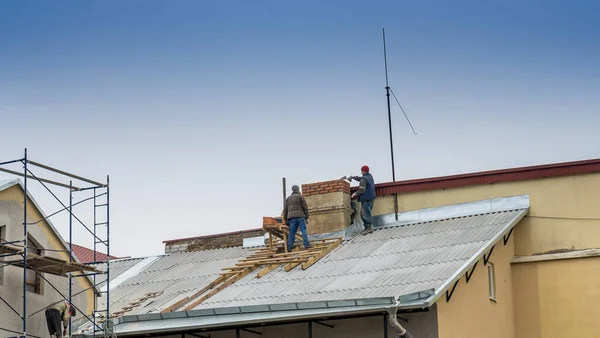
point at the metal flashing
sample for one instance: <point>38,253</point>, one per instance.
<point>252,242</point>
<point>133,271</point>
<point>227,311</point>
<point>381,301</point>
<point>254,308</point>
<point>416,296</point>
<point>283,307</point>
<point>125,329</point>
<point>201,313</point>
<point>177,314</point>
<point>452,211</point>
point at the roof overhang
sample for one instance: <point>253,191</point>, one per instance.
<point>219,318</point>
<point>506,231</point>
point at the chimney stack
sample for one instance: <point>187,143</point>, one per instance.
<point>328,205</point>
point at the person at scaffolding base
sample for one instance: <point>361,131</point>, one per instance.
<point>57,314</point>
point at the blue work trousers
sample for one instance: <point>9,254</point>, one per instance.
<point>294,223</point>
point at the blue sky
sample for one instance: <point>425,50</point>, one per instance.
<point>197,109</point>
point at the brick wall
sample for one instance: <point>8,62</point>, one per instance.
<point>326,187</point>
<point>226,240</point>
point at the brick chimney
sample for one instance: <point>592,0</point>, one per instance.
<point>328,205</point>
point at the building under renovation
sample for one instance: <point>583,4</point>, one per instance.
<point>507,253</point>
<point>38,267</point>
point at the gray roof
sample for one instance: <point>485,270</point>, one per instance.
<point>117,268</point>
<point>424,257</point>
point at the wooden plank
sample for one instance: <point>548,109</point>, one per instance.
<point>315,259</point>
<point>45,264</point>
<point>295,252</point>
<point>272,261</point>
<point>290,266</point>
<point>266,270</point>
<point>301,260</point>
<point>197,294</point>
<point>219,288</point>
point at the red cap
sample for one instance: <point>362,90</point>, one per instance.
<point>365,168</point>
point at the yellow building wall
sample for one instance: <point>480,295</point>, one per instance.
<point>564,212</point>
<point>15,193</point>
<point>470,313</point>
<point>557,298</point>
<point>552,298</point>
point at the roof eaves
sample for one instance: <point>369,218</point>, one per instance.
<point>476,257</point>
<point>246,315</point>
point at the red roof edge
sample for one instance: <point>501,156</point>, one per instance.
<point>86,255</point>
<point>240,232</point>
<point>489,177</point>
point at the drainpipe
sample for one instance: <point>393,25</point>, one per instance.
<point>400,330</point>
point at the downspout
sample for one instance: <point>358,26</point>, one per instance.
<point>393,320</point>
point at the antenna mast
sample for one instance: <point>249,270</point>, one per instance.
<point>387,89</point>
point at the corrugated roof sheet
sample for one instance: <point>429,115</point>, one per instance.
<point>117,267</point>
<point>390,262</point>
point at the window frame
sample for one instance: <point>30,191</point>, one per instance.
<point>2,237</point>
<point>36,283</point>
<point>492,282</point>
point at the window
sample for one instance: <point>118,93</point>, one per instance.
<point>33,280</point>
<point>491,281</point>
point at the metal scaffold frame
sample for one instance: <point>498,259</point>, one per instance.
<point>50,265</point>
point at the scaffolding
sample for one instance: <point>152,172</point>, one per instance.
<point>17,250</point>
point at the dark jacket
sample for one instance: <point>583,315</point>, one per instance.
<point>295,207</point>
<point>366,190</point>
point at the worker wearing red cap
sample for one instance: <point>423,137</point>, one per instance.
<point>365,195</point>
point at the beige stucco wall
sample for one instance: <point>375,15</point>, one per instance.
<point>557,298</point>
<point>553,298</point>
<point>564,212</point>
<point>470,313</point>
<point>421,325</point>
<point>11,288</point>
